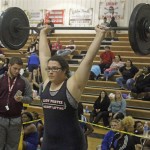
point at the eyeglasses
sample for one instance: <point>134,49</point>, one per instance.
<point>55,69</point>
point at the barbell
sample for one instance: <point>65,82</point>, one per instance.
<point>14,28</point>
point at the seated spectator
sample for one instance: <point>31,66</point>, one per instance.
<point>105,23</point>
<point>4,65</point>
<point>138,129</point>
<point>128,74</point>
<point>68,49</point>
<point>36,79</point>
<point>30,139</point>
<point>122,141</point>
<point>106,59</point>
<point>107,140</point>
<point>33,62</point>
<point>113,23</point>
<point>39,125</point>
<point>95,72</point>
<point>113,69</point>
<point>40,24</point>
<point>52,25</point>
<point>142,84</point>
<point>56,46</point>
<point>86,128</point>
<point>100,105</point>
<point>116,109</point>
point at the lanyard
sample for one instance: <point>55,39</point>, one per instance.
<point>10,88</point>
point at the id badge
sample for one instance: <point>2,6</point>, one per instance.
<point>7,107</point>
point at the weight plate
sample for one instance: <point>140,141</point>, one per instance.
<point>10,36</point>
<point>139,32</point>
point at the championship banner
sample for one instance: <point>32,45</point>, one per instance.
<point>34,17</point>
<point>112,9</point>
<point>80,17</point>
<point>57,16</point>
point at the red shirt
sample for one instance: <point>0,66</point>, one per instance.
<point>56,46</point>
<point>107,57</point>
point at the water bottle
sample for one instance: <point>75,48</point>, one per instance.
<point>145,132</point>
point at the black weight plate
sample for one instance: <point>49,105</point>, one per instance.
<point>12,38</point>
<point>139,37</point>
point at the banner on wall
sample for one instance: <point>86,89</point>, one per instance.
<point>57,16</point>
<point>34,17</point>
<point>80,17</point>
<point>112,9</point>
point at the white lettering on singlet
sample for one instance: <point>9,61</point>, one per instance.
<point>54,104</point>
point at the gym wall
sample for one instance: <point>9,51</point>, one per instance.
<point>74,4</point>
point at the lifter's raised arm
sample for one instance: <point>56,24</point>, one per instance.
<point>44,51</point>
<point>78,81</point>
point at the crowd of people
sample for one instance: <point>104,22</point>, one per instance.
<point>48,74</point>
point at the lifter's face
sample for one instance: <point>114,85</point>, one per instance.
<point>55,72</point>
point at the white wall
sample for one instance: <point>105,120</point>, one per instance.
<point>67,4</point>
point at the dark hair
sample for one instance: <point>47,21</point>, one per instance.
<point>119,57</point>
<point>15,60</point>
<point>63,63</point>
<point>105,18</point>
<point>29,115</point>
<point>130,62</point>
<point>107,47</point>
<point>36,114</point>
<point>113,18</point>
<point>136,122</point>
<point>106,96</point>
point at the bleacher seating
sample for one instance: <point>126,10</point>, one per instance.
<point>137,108</point>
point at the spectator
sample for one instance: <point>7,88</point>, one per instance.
<point>4,66</point>
<point>41,23</point>
<point>39,125</point>
<point>87,128</point>
<point>116,109</point>
<point>106,59</point>
<point>33,62</point>
<point>52,25</point>
<point>36,79</point>
<point>105,23</point>
<point>141,87</point>
<point>113,69</point>
<point>122,141</point>
<point>106,142</point>
<point>113,23</point>
<point>67,50</point>
<point>138,129</point>
<point>128,74</point>
<point>100,105</point>
<point>14,91</point>
<point>30,139</point>
<point>95,72</point>
<point>56,46</point>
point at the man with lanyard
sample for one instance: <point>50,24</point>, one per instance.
<point>14,91</point>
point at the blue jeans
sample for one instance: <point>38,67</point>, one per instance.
<point>129,83</point>
<point>108,74</point>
